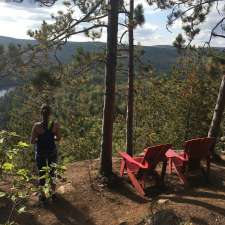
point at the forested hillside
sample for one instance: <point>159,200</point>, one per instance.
<point>161,57</point>
<point>166,107</point>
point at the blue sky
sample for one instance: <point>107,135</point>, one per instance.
<point>17,18</point>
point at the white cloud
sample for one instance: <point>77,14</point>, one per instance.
<point>155,39</point>
<point>145,33</point>
<point>149,27</point>
<point>17,18</point>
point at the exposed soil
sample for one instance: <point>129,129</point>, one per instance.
<point>83,201</point>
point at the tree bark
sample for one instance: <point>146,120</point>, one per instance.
<point>218,112</point>
<point>130,96</point>
<point>109,98</point>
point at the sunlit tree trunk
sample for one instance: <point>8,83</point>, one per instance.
<point>109,98</point>
<point>130,98</point>
<point>218,112</point>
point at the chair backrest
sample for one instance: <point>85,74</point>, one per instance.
<point>199,148</point>
<point>155,154</point>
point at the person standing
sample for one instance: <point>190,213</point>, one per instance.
<point>43,136</point>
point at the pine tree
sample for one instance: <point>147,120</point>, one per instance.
<point>135,18</point>
<point>109,98</point>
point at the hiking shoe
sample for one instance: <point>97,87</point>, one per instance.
<point>42,198</point>
<point>54,197</point>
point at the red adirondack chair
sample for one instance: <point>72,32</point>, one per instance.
<point>189,160</point>
<point>138,168</point>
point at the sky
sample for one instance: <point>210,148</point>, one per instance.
<point>17,18</point>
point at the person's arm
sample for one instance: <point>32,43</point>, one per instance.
<point>33,135</point>
<point>57,132</point>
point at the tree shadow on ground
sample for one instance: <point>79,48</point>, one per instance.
<point>197,180</point>
<point>206,194</point>
<point>122,187</point>
<point>155,191</point>
<point>27,219</point>
<point>200,192</point>
<point>23,219</point>
<point>68,214</point>
<point>198,221</point>
<point>218,160</point>
<point>169,217</point>
<point>191,201</point>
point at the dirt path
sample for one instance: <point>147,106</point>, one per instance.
<point>79,203</point>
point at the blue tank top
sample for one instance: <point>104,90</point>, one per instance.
<point>45,145</point>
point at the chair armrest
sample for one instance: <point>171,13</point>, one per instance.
<point>172,154</point>
<point>129,159</point>
<point>138,158</point>
<point>142,154</point>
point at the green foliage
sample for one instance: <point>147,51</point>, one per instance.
<point>179,43</point>
<point>19,176</point>
<point>139,15</point>
<point>85,19</point>
<point>13,171</point>
<point>10,59</point>
<point>43,79</point>
<point>177,107</point>
<point>51,181</point>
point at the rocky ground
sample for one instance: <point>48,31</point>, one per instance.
<point>83,201</point>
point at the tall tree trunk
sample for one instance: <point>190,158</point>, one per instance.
<point>109,98</point>
<point>218,112</point>
<point>130,96</point>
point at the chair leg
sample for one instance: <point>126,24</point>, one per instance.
<point>122,167</point>
<point>170,166</point>
<point>142,180</point>
<point>156,177</point>
<point>208,161</point>
<point>180,174</point>
<point>135,183</point>
<point>163,173</point>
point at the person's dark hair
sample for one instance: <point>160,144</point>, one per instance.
<point>45,112</point>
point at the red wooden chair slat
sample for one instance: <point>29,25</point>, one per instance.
<point>138,168</point>
<point>195,150</point>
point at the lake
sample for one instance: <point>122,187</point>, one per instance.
<point>4,91</point>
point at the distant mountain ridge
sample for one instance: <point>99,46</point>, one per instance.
<point>162,57</point>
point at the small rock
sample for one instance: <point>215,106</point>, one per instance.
<point>162,201</point>
<point>61,189</point>
<point>65,188</point>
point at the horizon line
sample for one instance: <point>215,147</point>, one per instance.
<point>31,39</point>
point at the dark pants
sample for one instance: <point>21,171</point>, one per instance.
<point>43,161</point>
